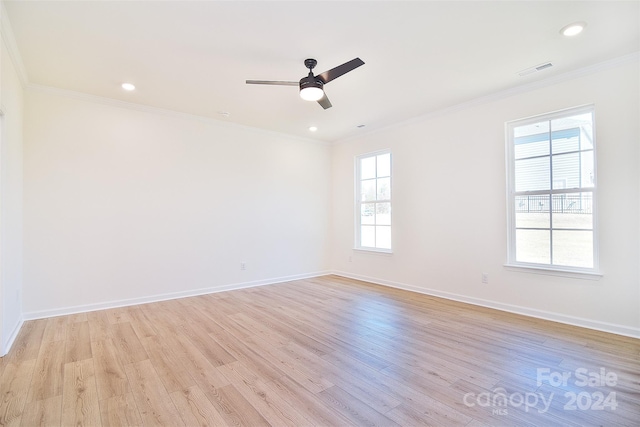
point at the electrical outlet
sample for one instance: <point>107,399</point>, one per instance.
<point>243,266</point>
<point>485,278</point>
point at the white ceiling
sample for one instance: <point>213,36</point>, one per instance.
<point>420,56</point>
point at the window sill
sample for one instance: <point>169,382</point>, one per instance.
<point>374,251</point>
<point>574,274</point>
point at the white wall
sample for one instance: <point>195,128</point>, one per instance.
<point>11,100</point>
<point>449,205</point>
<point>126,205</point>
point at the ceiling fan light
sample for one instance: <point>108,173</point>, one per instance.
<point>311,93</point>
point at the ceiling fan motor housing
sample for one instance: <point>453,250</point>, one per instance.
<point>310,81</point>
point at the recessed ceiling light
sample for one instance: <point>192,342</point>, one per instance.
<point>128,86</point>
<point>573,29</point>
<point>313,128</point>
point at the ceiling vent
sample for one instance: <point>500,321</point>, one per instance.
<point>535,69</point>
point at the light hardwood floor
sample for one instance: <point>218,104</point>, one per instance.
<point>327,351</point>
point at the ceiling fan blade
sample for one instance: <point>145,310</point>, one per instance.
<point>336,72</point>
<point>324,101</point>
<point>271,82</point>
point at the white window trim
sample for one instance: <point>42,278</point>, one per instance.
<point>574,272</point>
<point>357,202</point>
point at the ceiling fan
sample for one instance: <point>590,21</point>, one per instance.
<point>311,87</point>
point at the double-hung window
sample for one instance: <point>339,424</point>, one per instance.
<point>551,175</point>
<point>373,201</point>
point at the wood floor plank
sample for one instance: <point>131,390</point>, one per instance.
<point>99,326</point>
<point>361,387</point>
<point>207,345</point>
<point>234,408</point>
<point>56,329</point>
<point>14,388</point>
<point>47,377</point>
<point>118,315</point>
<point>248,356</point>
<point>353,409</point>
<point>167,365</point>
<point>312,408</point>
<point>152,400</point>
<point>270,405</point>
<point>78,317</point>
<point>195,409</point>
<point>310,379</point>
<point>78,342</point>
<point>80,398</point>
<point>142,326</point>
<point>410,386</point>
<point>120,411</point>
<point>129,347</point>
<point>259,311</point>
<point>47,412</point>
<point>111,379</point>
<point>205,375</point>
<point>406,415</point>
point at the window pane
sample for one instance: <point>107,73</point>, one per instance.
<point>565,140</point>
<point>383,237</point>
<point>573,210</point>
<point>368,236</point>
<point>563,144</point>
<point>573,248</point>
<point>588,172</point>
<point>368,190</point>
<point>532,174</point>
<point>384,165</point>
<point>533,246</point>
<point>532,204</point>
<point>579,124</point>
<point>368,168</point>
<point>383,214</point>
<point>566,171</point>
<point>532,220</point>
<point>525,150</point>
<point>384,189</point>
<point>531,140</point>
<point>367,213</point>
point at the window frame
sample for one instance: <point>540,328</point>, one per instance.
<point>358,202</point>
<point>569,271</point>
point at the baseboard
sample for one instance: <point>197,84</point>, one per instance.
<point>164,297</point>
<point>6,345</point>
<point>526,311</point>
<point>516,309</point>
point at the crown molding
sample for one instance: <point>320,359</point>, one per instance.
<point>6,31</point>
<point>496,96</point>
<point>95,99</point>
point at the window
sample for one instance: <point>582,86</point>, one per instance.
<point>552,191</point>
<point>373,202</point>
